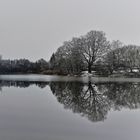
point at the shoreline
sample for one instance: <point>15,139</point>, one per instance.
<point>57,78</point>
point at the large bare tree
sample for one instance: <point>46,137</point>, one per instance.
<point>81,52</point>
<point>93,45</point>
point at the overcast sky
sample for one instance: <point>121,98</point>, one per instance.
<point>34,29</point>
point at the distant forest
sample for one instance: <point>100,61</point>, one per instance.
<point>91,52</point>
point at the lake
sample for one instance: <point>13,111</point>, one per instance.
<point>38,107</point>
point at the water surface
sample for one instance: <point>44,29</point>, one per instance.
<point>33,109</point>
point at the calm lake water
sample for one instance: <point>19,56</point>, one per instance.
<point>37,107</point>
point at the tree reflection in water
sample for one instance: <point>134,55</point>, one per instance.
<point>91,100</point>
<point>22,84</point>
<point>95,100</point>
<point>84,99</point>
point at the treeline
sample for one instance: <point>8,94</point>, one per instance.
<point>125,59</point>
<point>22,66</point>
<point>93,52</point>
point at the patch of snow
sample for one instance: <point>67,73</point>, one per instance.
<point>87,75</point>
<point>135,70</point>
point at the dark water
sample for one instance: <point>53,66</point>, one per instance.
<point>63,110</point>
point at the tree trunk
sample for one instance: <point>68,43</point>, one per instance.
<point>89,68</point>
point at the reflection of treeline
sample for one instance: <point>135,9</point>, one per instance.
<point>22,84</point>
<point>91,100</point>
<point>95,100</point>
<point>123,95</point>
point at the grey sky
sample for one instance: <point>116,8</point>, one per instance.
<point>36,28</point>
